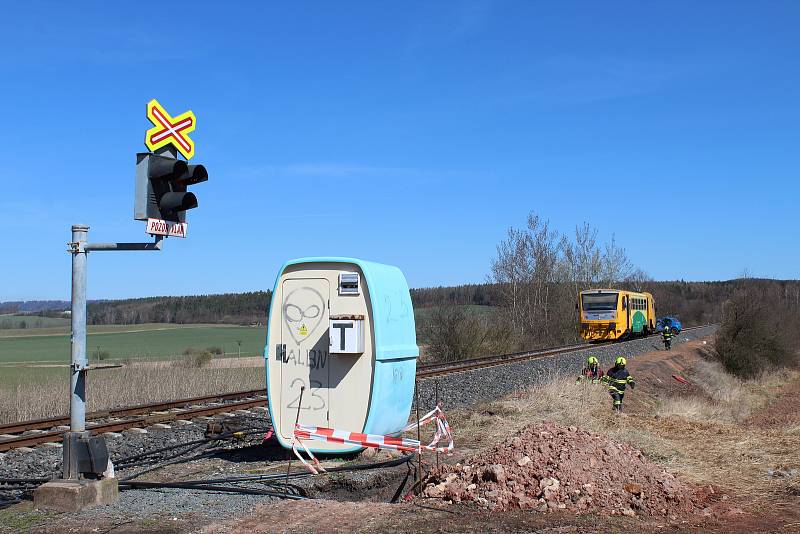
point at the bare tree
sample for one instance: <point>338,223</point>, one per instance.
<point>616,266</point>
<point>542,272</point>
<point>583,258</point>
<point>510,269</point>
<point>543,259</point>
<point>637,279</point>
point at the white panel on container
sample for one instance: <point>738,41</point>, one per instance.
<point>347,336</point>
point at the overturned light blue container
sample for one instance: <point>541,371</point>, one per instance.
<point>342,331</point>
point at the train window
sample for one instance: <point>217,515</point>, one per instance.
<point>599,301</point>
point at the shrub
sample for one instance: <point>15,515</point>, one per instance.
<point>453,333</point>
<point>754,335</point>
<point>196,358</point>
<point>215,350</point>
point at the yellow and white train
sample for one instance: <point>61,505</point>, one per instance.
<point>608,314</point>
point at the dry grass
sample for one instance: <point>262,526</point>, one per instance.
<point>703,439</point>
<point>558,399</point>
<point>128,386</point>
<point>693,408</point>
<point>726,398</point>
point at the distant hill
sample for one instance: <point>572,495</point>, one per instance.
<point>693,302</point>
<point>231,308</point>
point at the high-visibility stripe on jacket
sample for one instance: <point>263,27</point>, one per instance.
<point>618,379</point>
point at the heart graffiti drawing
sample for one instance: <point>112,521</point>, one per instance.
<point>305,316</point>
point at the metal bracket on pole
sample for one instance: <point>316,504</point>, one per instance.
<point>155,245</point>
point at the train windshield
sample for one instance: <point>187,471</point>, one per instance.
<point>599,301</point>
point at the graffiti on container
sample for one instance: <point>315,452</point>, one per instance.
<point>313,359</point>
<point>303,312</point>
<point>397,375</point>
<point>311,400</point>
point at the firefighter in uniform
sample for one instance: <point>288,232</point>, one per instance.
<point>666,336</point>
<point>591,372</point>
<point>618,378</point>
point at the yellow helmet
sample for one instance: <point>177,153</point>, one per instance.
<point>592,360</point>
<point>621,361</point>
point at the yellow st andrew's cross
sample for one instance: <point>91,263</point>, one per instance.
<point>169,130</point>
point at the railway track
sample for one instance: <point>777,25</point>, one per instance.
<point>40,431</point>
<point>46,430</point>
<point>438,369</point>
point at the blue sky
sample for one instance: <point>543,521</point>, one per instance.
<point>411,133</point>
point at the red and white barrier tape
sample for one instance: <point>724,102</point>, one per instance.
<point>304,433</point>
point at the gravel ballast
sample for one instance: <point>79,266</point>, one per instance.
<point>466,388</point>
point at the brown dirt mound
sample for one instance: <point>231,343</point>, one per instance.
<point>548,467</point>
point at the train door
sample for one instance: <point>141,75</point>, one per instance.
<point>638,318</point>
<point>653,315</point>
<point>626,305</point>
<point>305,362</point>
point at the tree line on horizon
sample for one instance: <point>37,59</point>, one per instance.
<point>692,302</point>
<point>529,299</point>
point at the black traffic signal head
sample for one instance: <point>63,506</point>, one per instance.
<point>161,183</point>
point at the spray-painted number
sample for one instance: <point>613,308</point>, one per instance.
<point>397,375</point>
<point>311,401</point>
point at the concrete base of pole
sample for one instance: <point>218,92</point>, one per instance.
<point>75,495</point>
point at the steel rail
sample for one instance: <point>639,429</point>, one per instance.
<point>29,440</point>
<point>49,423</point>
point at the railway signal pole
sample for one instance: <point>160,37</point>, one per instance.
<point>162,200</point>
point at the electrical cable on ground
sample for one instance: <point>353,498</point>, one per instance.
<point>145,454</point>
<point>227,489</point>
<point>23,480</point>
<point>282,490</point>
<point>174,460</point>
<point>305,474</point>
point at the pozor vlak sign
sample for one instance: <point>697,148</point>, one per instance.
<point>166,228</point>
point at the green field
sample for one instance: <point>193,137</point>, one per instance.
<point>156,341</point>
<point>103,328</point>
